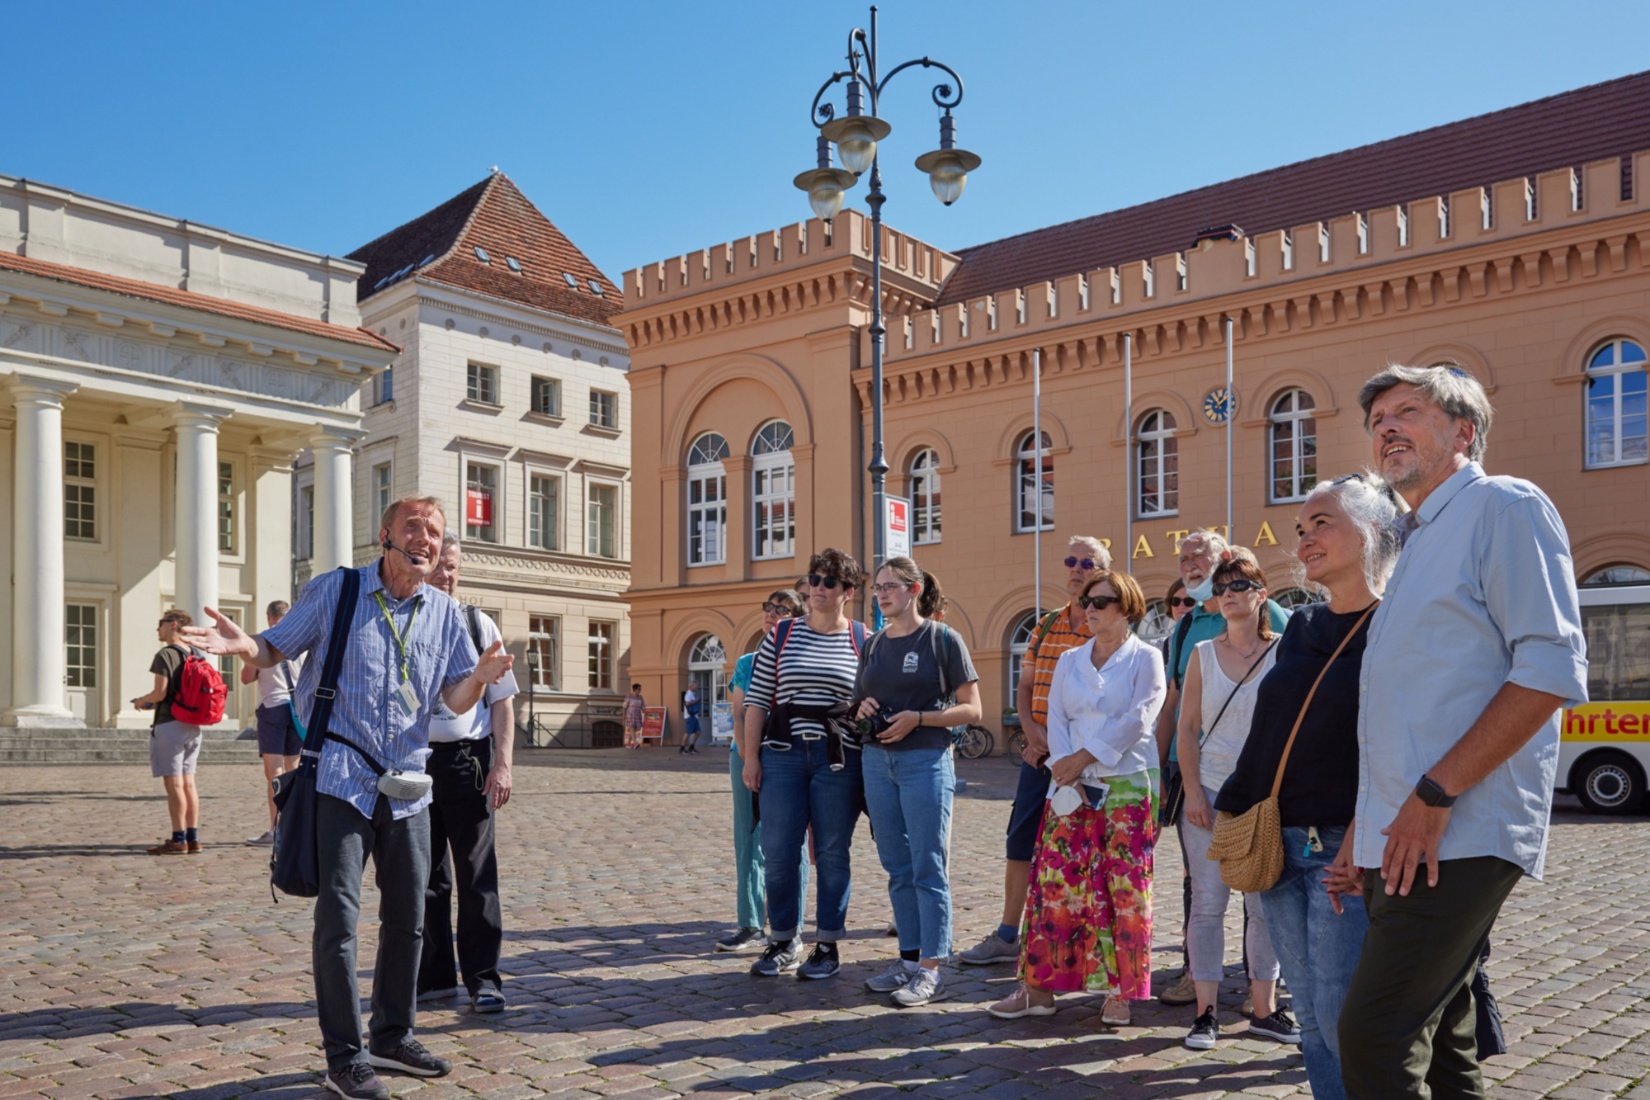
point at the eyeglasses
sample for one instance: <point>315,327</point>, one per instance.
<point>1086,563</point>
<point>782,610</point>
<point>163,622</point>
<point>1181,601</point>
<point>1344,478</point>
<point>888,589</point>
<point>1242,584</point>
<point>825,580</point>
<point>1097,603</point>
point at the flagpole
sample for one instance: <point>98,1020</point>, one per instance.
<point>1037,485</point>
<point>1128,451</point>
<point>1230,410</point>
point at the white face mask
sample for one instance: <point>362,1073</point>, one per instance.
<point>1203,591</point>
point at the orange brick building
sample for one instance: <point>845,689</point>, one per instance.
<point>1516,244</point>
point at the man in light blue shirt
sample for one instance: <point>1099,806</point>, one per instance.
<point>1475,647</point>
<point>408,646</point>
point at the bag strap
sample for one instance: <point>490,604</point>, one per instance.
<point>1042,631</point>
<point>1243,680</point>
<point>473,616</point>
<point>942,646</point>
<point>1176,644</point>
<point>1277,780</point>
<point>326,691</point>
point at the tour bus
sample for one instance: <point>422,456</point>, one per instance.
<point>1604,754</point>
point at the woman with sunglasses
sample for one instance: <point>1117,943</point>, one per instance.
<point>802,761</point>
<point>1088,916</point>
<point>1348,547</point>
<point>916,681</point>
<point>1215,711</point>
<point>782,603</point>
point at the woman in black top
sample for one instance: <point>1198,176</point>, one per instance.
<point>1348,546</point>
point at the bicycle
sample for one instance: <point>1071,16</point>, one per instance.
<point>975,742</point>
<point>1017,743</point>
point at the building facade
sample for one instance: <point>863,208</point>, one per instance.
<point>1516,245</point>
<point>160,378</point>
<point>509,401</point>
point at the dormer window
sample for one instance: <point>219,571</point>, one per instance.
<point>572,283</point>
<point>513,264</point>
<point>596,289</point>
<point>481,254</point>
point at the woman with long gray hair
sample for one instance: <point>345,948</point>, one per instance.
<point>1348,546</point>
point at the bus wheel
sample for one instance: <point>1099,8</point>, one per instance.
<point>1608,783</point>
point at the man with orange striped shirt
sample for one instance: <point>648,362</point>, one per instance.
<point>1060,630</point>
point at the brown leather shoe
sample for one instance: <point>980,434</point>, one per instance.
<point>169,848</point>
<point>194,847</point>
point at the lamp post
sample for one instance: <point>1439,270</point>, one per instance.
<point>532,695</point>
<point>856,136</point>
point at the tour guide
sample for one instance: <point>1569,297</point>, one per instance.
<point>408,644</point>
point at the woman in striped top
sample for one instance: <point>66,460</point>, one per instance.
<point>802,761</point>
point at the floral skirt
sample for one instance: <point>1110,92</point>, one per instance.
<point>1088,919</point>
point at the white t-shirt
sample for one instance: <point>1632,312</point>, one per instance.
<point>276,682</point>
<point>475,723</point>
<point>1223,744</point>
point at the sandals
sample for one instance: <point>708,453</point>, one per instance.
<point>1020,1003</point>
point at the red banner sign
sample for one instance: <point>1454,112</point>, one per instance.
<point>478,508</point>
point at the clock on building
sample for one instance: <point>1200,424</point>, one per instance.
<point>1219,405</point>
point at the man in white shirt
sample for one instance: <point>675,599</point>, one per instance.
<point>470,757</point>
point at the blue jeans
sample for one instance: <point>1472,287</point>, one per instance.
<point>1318,951</point>
<point>748,877</point>
<point>799,789</point>
<point>908,796</point>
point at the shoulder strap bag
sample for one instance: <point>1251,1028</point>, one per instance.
<point>1174,790</point>
<point>1249,846</point>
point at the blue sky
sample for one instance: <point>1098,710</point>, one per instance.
<point>645,129</point>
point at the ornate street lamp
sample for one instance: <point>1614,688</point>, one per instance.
<point>856,135</point>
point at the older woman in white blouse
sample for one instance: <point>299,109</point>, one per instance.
<point>1088,918</point>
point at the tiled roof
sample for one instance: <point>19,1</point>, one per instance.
<point>1566,130</point>
<point>188,299</point>
<point>496,217</point>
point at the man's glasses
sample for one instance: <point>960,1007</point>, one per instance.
<point>1344,478</point>
<point>1242,584</point>
<point>824,580</point>
<point>1181,601</point>
<point>888,589</point>
<point>784,611</point>
<point>1097,603</point>
<point>1086,563</point>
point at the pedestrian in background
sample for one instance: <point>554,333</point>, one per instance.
<point>174,746</point>
<point>278,740</point>
<point>635,715</point>
<point>690,721</point>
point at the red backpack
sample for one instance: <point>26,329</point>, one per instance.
<point>201,694</point>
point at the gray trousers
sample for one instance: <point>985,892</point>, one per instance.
<point>400,852</point>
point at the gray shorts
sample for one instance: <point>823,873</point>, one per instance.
<point>174,747</point>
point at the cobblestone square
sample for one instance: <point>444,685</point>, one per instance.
<point>127,975</point>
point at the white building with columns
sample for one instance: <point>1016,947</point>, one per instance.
<point>157,379</point>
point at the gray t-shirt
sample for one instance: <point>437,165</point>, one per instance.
<point>903,674</point>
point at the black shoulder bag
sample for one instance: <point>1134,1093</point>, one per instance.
<point>295,865</point>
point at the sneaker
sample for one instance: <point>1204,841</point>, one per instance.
<point>438,994</point>
<point>899,972</point>
<point>992,949</point>
<point>893,929</point>
<point>1020,1003</point>
<point>410,1057</point>
<point>170,848</point>
<point>357,1081</point>
<point>1205,1030</point>
<point>1181,991</point>
<point>822,963</point>
<point>1116,1012</point>
<point>266,838</point>
<point>925,985</point>
<point>1280,1026</point>
<point>776,960</point>
<point>488,999</point>
<point>746,939</point>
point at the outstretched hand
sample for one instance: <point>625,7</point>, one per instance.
<point>222,638</point>
<point>493,664</point>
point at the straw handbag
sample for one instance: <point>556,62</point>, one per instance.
<point>1249,845</point>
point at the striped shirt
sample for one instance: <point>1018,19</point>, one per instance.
<point>1042,657</point>
<point>815,669</point>
<point>439,654</point>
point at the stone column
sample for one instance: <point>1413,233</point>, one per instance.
<point>39,656</point>
<point>334,528</point>
<point>195,517</point>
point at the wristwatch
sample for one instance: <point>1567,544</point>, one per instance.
<point>1432,794</point>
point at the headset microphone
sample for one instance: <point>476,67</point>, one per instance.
<point>414,558</point>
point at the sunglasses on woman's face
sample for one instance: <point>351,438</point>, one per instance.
<point>1182,601</point>
<point>782,610</point>
<point>1242,584</point>
<point>824,580</point>
<point>1097,603</point>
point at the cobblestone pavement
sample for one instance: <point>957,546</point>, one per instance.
<point>127,975</point>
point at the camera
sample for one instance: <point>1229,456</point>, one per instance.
<point>870,728</point>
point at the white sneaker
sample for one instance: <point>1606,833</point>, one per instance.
<point>925,985</point>
<point>267,838</point>
<point>899,972</point>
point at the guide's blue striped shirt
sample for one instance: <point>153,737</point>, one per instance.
<point>441,654</point>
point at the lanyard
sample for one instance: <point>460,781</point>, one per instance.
<point>400,638</point>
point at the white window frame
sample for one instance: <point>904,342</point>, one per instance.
<point>925,497</point>
<point>604,409</point>
<point>492,535</point>
<point>601,654</point>
<point>71,644</point>
<point>383,386</point>
<point>540,384</point>
<point>481,383</point>
<point>1156,434</point>
<point>592,528</point>
<point>535,510</point>
<point>544,637</point>
<point>1290,431</point>
<point>383,489</point>
<point>228,503</point>
<point>707,517</point>
<point>1019,643</point>
<point>1025,484</point>
<point>773,493</point>
<point>304,537</point>
<point>708,671</point>
<point>1608,430</point>
<point>80,484</point>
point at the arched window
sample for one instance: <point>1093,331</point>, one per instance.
<point>1296,597</point>
<point>925,497</point>
<point>1616,574</point>
<point>1157,624</point>
<point>1157,466</point>
<point>773,493</point>
<point>1035,502</point>
<point>1294,453</point>
<point>707,500</point>
<point>708,672</point>
<point>1019,641</point>
<point>1618,432</point>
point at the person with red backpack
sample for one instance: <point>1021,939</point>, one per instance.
<point>188,694</point>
